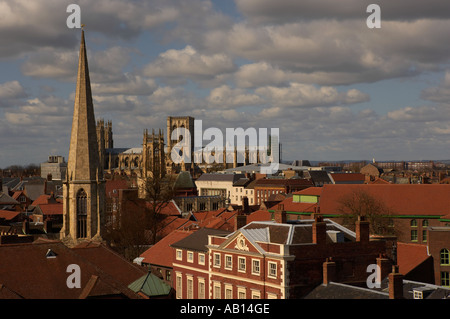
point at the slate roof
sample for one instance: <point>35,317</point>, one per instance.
<point>199,239</point>
<point>296,232</point>
<point>342,291</point>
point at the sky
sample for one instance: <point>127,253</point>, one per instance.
<point>335,88</point>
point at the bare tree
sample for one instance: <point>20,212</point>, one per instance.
<point>376,212</point>
<point>158,191</point>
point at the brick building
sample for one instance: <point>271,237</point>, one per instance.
<point>272,259</point>
<point>413,208</point>
<point>264,188</point>
<point>439,249</point>
<point>191,264</point>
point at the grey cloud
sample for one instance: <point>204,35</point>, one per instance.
<point>281,11</point>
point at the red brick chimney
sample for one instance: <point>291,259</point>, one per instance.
<point>362,229</point>
<point>319,230</point>
<point>280,214</point>
<point>329,271</point>
<point>384,266</point>
<point>395,284</point>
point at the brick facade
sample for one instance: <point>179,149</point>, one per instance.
<point>265,260</point>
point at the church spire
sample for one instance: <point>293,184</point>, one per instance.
<point>84,189</point>
<point>83,154</point>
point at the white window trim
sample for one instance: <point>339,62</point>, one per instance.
<point>228,287</point>
<point>200,256</point>
<point>190,256</point>
<point>259,266</point>
<point>180,252</point>
<point>239,264</point>
<point>214,260</point>
<point>201,281</point>
<point>179,288</point>
<point>230,267</point>
<point>215,286</point>
<point>256,294</point>
<point>268,269</point>
<point>189,294</point>
<point>243,291</point>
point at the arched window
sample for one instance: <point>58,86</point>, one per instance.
<point>445,257</point>
<point>413,223</point>
<point>81,214</point>
<point>425,223</point>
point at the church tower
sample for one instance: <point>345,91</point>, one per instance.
<point>84,188</point>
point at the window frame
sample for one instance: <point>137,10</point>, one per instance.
<point>244,264</point>
<point>444,257</point>
<point>269,273</point>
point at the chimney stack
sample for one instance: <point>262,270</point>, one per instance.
<point>319,230</point>
<point>280,214</point>
<point>329,271</point>
<point>395,284</point>
<point>384,266</point>
<point>362,229</point>
<point>245,207</point>
<point>240,221</point>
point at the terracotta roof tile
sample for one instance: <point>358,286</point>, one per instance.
<point>410,256</point>
<point>160,254</point>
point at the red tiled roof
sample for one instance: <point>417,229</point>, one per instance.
<point>161,254</point>
<point>347,177</point>
<point>26,271</point>
<point>45,199</point>
<point>170,209</point>
<point>17,194</point>
<point>379,181</point>
<point>402,199</point>
<point>120,269</point>
<point>409,256</point>
<point>171,223</point>
<point>8,215</point>
<point>291,206</point>
<point>258,216</point>
<point>51,209</point>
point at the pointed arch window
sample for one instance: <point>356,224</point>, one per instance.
<point>81,214</point>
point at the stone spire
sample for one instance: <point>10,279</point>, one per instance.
<point>84,188</point>
<point>83,154</point>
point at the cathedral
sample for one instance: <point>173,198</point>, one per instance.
<point>84,187</point>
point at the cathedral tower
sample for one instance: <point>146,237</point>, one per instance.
<point>84,188</point>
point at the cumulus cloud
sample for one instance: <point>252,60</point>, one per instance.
<point>305,95</point>
<point>10,92</point>
<point>227,97</point>
<point>440,93</point>
<point>188,63</point>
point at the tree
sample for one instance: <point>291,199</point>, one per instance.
<point>158,191</point>
<point>376,212</point>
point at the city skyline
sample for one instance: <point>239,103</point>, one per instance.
<point>337,89</point>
